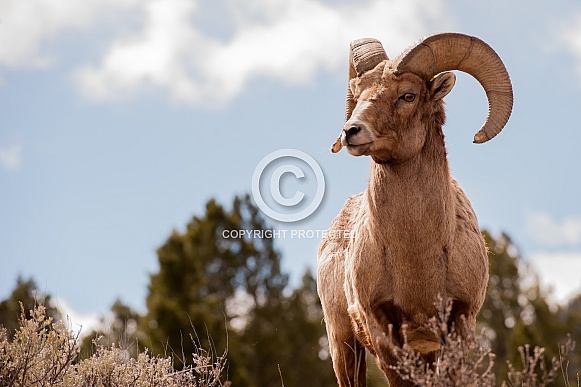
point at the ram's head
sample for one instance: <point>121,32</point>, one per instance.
<point>389,102</point>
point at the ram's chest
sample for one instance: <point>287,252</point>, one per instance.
<point>375,274</point>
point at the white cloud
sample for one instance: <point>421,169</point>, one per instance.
<point>156,43</point>
<point>11,157</point>
<point>26,25</point>
<point>86,323</point>
<point>158,55</point>
<point>548,232</point>
<point>570,37</point>
<point>559,271</point>
<point>289,41</point>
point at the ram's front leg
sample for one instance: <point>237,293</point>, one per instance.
<point>382,336</point>
<point>348,361</point>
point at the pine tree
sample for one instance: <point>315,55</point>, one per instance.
<point>516,311</point>
<point>501,309</point>
<point>226,289</point>
<point>288,341</point>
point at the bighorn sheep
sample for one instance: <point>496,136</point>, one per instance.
<point>414,234</point>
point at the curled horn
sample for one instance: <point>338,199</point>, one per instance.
<point>452,51</point>
<point>364,55</point>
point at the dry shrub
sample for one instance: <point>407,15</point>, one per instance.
<point>461,362</point>
<point>534,370</point>
<point>113,367</point>
<point>467,362</point>
<point>42,353</point>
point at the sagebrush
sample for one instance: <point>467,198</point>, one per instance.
<point>469,361</point>
<point>44,353</point>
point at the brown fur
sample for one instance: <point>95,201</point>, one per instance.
<point>415,233</point>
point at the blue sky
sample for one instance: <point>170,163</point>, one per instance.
<point>121,118</point>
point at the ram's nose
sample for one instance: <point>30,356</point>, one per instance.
<point>351,128</point>
<point>351,131</point>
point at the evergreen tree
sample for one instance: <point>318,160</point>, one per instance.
<point>515,311</point>
<point>202,272</point>
<point>501,309</point>
<point>187,296</point>
<point>226,289</point>
<point>289,336</point>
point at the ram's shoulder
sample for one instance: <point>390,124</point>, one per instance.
<point>343,225</point>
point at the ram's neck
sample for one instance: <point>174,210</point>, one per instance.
<point>411,204</point>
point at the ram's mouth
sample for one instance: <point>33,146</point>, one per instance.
<point>359,149</point>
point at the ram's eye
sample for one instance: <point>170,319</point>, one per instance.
<point>409,97</point>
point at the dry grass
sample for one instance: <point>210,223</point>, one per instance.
<point>42,353</point>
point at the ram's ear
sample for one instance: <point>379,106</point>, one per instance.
<point>353,83</point>
<point>441,85</point>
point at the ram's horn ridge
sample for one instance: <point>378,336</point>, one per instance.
<point>453,51</point>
